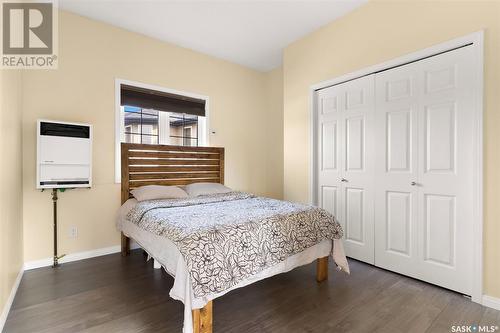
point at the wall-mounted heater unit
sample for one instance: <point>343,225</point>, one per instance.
<point>64,155</point>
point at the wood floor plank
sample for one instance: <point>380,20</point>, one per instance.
<point>114,294</point>
<point>459,311</point>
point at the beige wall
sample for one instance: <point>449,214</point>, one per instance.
<point>273,120</point>
<point>91,56</point>
<point>11,226</point>
<point>377,32</point>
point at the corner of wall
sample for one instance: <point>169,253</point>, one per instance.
<point>274,131</point>
<point>11,222</point>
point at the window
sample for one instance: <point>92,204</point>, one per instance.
<point>160,127</point>
<point>153,115</point>
<point>157,117</point>
<point>140,125</point>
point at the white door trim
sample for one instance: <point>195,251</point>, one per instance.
<point>476,39</point>
<point>118,83</point>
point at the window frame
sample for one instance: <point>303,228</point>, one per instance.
<point>189,138</point>
<point>203,135</point>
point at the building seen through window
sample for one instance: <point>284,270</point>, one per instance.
<point>159,127</point>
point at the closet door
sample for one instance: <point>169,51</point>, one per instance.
<point>446,152</point>
<point>424,171</point>
<point>329,122</point>
<point>357,168</point>
<point>396,169</point>
<point>345,161</point>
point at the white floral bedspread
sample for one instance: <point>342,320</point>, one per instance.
<point>225,238</point>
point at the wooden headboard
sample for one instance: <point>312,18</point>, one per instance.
<point>144,164</point>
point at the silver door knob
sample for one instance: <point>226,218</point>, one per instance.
<point>414,184</point>
<point>344,180</point>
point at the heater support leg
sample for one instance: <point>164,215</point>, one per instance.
<point>54,207</point>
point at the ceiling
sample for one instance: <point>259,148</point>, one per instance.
<point>249,33</point>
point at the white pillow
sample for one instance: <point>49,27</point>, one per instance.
<point>196,189</point>
<point>152,192</point>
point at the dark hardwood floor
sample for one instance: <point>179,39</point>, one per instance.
<point>114,294</point>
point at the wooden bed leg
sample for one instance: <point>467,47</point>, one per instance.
<point>202,319</point>
<point>322,269</point>
<point>125,245</point>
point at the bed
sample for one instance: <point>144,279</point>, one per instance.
<point>216,243</point>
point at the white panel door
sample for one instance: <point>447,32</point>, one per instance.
<point>357,168</point>
<point>345,161</point>
<point>328,150</point>
<point>446,152</point>
<point>396,169</point>
<point>424,169</point>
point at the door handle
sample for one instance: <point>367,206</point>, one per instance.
<point>414,184</point>
<point>344,180</point>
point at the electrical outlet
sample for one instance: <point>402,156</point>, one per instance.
<point>73,232</point>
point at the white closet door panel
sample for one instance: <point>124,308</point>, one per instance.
<point>440,130</point>
<point>329,103</point>
<point>439,229</point>
<point>355,143</point>
<point>446,170</point>
<point>354,217</point>
<point>396,167</point>
<point>357,94</point>
<point>345,161</point>
<point>398,88</point>
<point>328,136</point>
<point>439,76</point>
<point>359,114</point>
<point>424,137</point>
<point>329,145</point>
<point>357,153</point>
<point>398,222</point>
<point>330,199</point>
<point>399,140</point>
<point>358,232</point>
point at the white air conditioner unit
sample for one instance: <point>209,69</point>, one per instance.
<point>64,155</point>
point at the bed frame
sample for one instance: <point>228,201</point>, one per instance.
<point>143,164</point>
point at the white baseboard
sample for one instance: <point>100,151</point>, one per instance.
<point>491,302</point>
<point>8,304</point>
<point>72,257</point>
<point>76,256</point>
